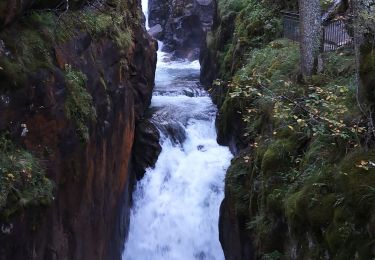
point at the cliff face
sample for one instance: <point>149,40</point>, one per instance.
<point>182,25</point>
<point>74,84</point>
<point>301,185</point>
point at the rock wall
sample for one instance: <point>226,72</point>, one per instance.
<point>277,206</point>
<point>92,162</point>
<point>182,25</point>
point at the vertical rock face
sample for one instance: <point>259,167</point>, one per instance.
<point>184,24</point>
<point>92,178</point>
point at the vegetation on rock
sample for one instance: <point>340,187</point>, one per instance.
<point>23,181</point>
<point>29,51</point>
<point>78,105</point>
<point>304,185</point>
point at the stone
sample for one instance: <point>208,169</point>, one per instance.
<point>156,31</point>
<point>205,2</point>
<point>185,24</point>
<point>93,180</point>
<point>146,148</point>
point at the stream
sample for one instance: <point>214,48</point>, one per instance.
<point>175,208</point>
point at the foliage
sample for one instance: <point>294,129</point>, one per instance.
<point>232,5</point>
<point>306,160</point>
<point>325,4</point>
<point>79,104</point>
<point>22,180</point>
<point>31,52</point>
<point>320,107</point>
<point>275,255</point>
<point>305,175</point>
<point>123,38</point>
<point>366,20</point>
<point>30,41</point>
<point>255,24</point>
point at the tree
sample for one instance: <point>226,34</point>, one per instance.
<point>310,31</point>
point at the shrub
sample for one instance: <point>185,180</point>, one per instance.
<point>22,180</point>
<point>78,105</point>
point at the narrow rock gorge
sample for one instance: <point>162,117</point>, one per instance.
<point>187,129</point>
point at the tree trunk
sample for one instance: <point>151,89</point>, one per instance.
<point>310,31</point>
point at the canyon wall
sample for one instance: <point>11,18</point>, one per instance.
<point>182,25</point>
<point>301,184</point>
<point>74,84</point>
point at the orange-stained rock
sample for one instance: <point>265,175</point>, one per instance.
<point>93,182</point>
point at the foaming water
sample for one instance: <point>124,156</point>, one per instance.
<point>145,12</point>
<point>176,205</point>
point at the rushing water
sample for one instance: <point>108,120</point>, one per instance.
<point>176,205</point>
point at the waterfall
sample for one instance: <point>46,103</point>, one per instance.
<point>145,12</point>
<point>176,205</point>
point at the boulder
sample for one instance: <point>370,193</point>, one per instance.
<point>156,31</point>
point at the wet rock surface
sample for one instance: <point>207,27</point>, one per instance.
<point>184,25</point>
<point>146,148</point>
<point>93,179</point>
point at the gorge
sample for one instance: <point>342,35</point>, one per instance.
<point>204,129</point>
<point>176,204</point>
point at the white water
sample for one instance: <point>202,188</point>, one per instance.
<point>145,12</point>
<point>176,205</point>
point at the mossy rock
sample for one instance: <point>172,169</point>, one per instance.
<point>278,156</point>
<point>339,64</point>
<point>367,72</point>
<point>303,208</point>
<point>356,180</point>
<point>313,203</point>
<point>30,52</point>
<point>322,150</point>
<point>340,230</point>
<point>23,181</point>
<point>237,182</point>
<point>321,213</point>
<point>295,211</point>
<point>345,243</point>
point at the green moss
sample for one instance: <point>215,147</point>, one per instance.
<point>277,62</point>
<point>325,4</point>
<point>278,155</point>
<point>236,181</point>
<point>356,180</point>
<point>32,38</point>
<point>322,150</point>
<point>367,71</point>
<point>79,105</point>
<point>339,63</point>
<point>256,24</point>
<point>31,52</point>
<point>304,170</point>
<point>227,111</point>
<point>22,180</point>
<point>210,40</point>
<point>275,255</point>
<point>226,6</point>
<point>124,38</point>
